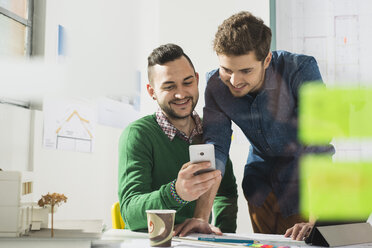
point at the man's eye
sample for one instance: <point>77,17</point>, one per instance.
<point>246,71</point>
<point>227,71</point>
<point>168,87</point>
<point>187,83</point>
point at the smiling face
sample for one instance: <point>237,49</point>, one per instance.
<point>175,87</point>
<point>243,73</point>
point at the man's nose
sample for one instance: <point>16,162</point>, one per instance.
<point>180,94</point>
<point>234,79</point>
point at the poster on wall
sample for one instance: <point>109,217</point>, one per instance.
<point>69,124</point>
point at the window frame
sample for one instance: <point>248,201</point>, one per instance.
<point>26,22</point>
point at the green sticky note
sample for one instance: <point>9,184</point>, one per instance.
<point>326,113</point>
<point>335,190</point>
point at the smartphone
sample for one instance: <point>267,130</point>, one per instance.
<point>202,153</point>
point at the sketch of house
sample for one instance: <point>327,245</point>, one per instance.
<point>74,134</point>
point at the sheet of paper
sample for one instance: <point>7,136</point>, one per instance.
<point>68,124</point>
<point>276,240</point>
<point>115,114</point>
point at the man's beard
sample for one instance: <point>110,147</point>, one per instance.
<point>173,115</point>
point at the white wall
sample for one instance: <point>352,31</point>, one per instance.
<point>101,44</point>
<point>14,137</point>
<point>89,180</point>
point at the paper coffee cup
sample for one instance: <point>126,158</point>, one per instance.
<point>160,224</point>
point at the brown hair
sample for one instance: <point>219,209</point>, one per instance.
<point>242,33</point>
<point>164,54</point>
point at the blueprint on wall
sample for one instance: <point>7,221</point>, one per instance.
<point>335,32</point>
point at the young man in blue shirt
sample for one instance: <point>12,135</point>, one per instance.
<point>258,90</point>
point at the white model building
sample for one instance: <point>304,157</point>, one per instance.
<point>40,216</point>
<point>15,203</point>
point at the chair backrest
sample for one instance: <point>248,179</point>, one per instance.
<point>117,220</point>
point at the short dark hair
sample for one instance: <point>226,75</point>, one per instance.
<point>242,33</point>
<point>164,54</point>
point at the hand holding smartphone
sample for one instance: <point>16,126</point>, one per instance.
<point>202,153</point>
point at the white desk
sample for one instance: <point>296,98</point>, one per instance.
<point>140,240</point>
<point>125,238</point>
<point>115,238</point>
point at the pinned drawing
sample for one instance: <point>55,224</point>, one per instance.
<point>68,125</point>
<point>74,132</point>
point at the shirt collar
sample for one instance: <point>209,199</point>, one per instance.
<point>269,83</point>
<point>171,131</point>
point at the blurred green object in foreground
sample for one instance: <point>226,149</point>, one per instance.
<point>326,113</point>
<point>335,190</point>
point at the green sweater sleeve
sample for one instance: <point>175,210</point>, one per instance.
<point>136,194</point>
<point>225,205</point>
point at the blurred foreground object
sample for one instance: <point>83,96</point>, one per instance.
<point>326,113</point>
<point>338,188</point>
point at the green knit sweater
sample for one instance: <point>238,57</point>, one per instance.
<point>148,162</point>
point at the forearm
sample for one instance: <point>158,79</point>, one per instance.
<point>216,127</point>
<point>205,203</point>
<point>225,209</point>
<point>217,131</point>
<point>225,205</point>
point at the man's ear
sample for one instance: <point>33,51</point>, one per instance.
<point>197,78</point>
<point>267,60</point>
<point>151,91</point>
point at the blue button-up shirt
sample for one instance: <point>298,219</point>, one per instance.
<point>269,121</point>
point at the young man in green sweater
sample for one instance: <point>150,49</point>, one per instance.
<point>154,167</point>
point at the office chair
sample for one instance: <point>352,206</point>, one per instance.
<point>117,220</point>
